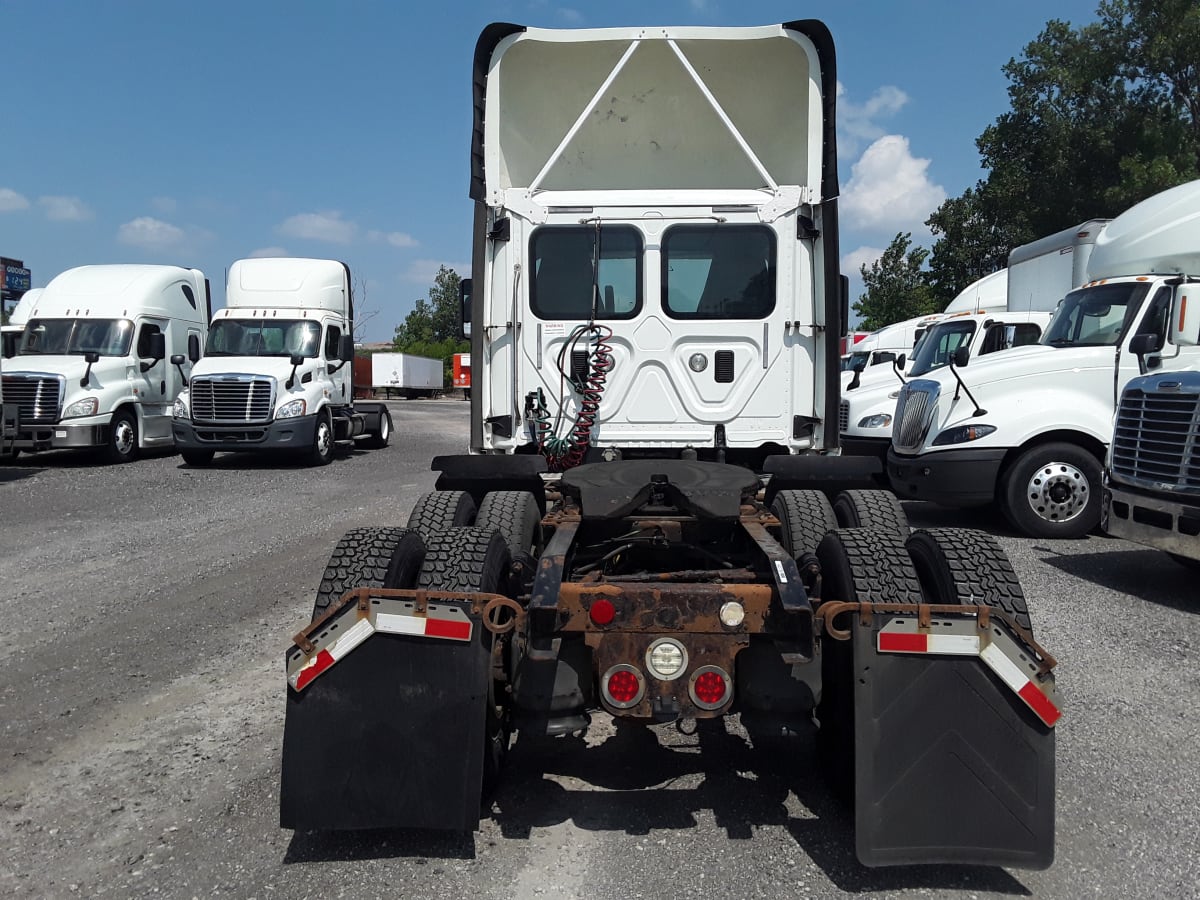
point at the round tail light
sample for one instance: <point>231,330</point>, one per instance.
<point>709,687</point>
<point>623,686</point>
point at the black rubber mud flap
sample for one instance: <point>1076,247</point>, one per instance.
<point>950,765</point>
<point>382,739</point>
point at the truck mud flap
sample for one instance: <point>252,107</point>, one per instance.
<point>954,753</point>
<point>386,738</point>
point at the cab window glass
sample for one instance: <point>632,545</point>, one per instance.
<point>581,270</point>
<point>143,342</point>
<point>333,343</point>
<point>718,271</point>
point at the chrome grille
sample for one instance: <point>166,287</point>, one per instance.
<point>232,398</point>
<point>844,415</point>
<point>914,413</point>
<point>1156,440</point>
<point>38,398</point>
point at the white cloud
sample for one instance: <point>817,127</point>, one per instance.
<point>395,238</point>
<point>856,259</point>
<point>11,201</point>
<point>857,123</point>
<point>889,189</point>
<point>326,226</point>
<point>423,271</point>
<point>165,205</point>
<point>267,253</point>
<point>65,209</point>
<point>570,16</point>
<point>150,234</point>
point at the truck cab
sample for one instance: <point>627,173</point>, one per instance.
<point>93,368</point>
<point>277,373</point>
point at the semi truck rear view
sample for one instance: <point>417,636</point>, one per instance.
<point>653,522</point>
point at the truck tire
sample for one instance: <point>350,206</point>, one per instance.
<point>1053,491</point>
<point>516,515</point>
<point>857,564</point>
<point>473,559</point>
<point>122,443</point>
<point>964,566</point>
<point>380,438</point>
<point>370,557</point>
<point>197,457</point>
<point>439,510</point>
<point>321,451</point>
<point>805,518</point>
<point>870,509</point>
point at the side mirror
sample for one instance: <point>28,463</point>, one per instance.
<point>900,361</point>
<point>1185,316</point>
<point>297,359</point>
<point>177,359</point>
<point>962,356</point>
<point>464,308</point>
<point>158,346</point>
<point>91,358</point>
<point>1142,345</point>
<point>347,348</point>
<point>194,347</point>
<point>860,367</point>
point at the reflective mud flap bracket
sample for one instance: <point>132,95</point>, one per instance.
<point>385,698</point>
<point>954,741</point>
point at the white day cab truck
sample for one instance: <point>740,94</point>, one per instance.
<point>1029,429</point>
<point>277,371</point>
<point>1152,479</point>
<point>103,353</point>
<point>1007,308</point>
<point>652,522</point>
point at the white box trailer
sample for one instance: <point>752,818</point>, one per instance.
<point>406,374</point>
<point>1041,272</point>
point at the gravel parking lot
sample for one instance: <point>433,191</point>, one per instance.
<point>146,608</point>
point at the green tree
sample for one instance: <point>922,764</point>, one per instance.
<point>432,328</point>
<point>897,287</point>
<point>1102,116</point>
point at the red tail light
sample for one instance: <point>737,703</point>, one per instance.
<point>602,611</point>
<point>709,687</point>
<point>623,686</point>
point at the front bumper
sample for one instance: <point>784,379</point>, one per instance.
<point>1152,520</point>
<point>63,436</point>
<point>950,477</point>
<point>282,434</point>
<point>856,445</point>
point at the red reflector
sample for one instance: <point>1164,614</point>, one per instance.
<point>710,688</point>
<point>447,628</point>
<point>602,611</point>
<point>623,685</point>
<point>1046,711</point>
<point>323,661</point>
<point>900,642</point>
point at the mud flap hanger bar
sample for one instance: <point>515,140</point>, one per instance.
<point>416,613</point>
<point>1010,652</point>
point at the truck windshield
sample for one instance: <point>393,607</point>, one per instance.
<point>718,271</point>
<point>937,345</point>
<point>1095,316</point>
<point>277,337</point>
<point>59,337</point>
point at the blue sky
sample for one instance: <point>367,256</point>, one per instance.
<point>200,133</point>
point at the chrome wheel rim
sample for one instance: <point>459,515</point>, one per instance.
<point>123,437</point>
<point>1057,492</point>
<point>324,439</point>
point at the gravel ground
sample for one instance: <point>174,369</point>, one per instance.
<point>146,608</point>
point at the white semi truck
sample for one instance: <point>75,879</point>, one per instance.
<point>277,370</point>
<point>11,333</point>
<point>1028,430</point>
<point>654,298</point>
<point>96,364</point>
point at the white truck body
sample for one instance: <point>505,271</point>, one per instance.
<point>1049,408</point>
<point>11,332</point>
<point>93,366</point>
<point>406,374</point>
<point>278,366</point>
<point>982,295</point>
<point>654,266</point>
<point>1041,272</point>
<point>883,345</point>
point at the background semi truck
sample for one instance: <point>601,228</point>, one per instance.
<point>103,353</point>
<point>654,298</point>
<point>1152,479</point>
<point>407,375</point>
<point>1029,429</point>
<point>11,333</point>
<point>277,374</point>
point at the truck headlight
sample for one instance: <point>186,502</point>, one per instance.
<point>85,407</point>
<point>879,420</point>
<point>962,433</point>
<point>180,409</point>
<point>291,409</point>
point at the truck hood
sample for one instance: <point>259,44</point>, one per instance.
<point>70,367</point>
<point>273,366</point>
<point>1036,360</point>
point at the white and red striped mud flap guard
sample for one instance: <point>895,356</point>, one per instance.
<point>386,616</point>
<point>994,647</point>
